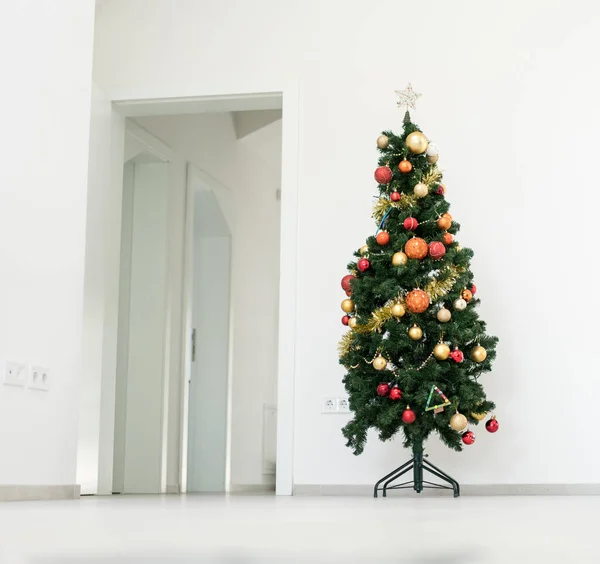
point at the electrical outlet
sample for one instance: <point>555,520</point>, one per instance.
<point>343,405</point>
<point>40,378</point>
<point>329,405</point>
<point>15,374</point>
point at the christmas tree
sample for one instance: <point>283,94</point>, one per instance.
<point>416,346</point>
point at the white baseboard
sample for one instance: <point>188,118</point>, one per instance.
<point>38,493</point>
<point>252,488</point>
<point>466,489</point>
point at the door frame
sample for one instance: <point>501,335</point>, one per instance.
<point>286,99</point>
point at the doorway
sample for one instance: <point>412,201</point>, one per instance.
<point>229,390</point>
<point>171,449</point>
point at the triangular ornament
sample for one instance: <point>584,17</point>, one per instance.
<point>440,406</point>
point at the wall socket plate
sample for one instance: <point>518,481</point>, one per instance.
<point>15,374</point>
<point>336,405</point>
<point>40,378</point>
<point>329,405</point>
<point>343,405</point>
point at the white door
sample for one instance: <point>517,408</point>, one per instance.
<point>209,371</point>
<point>140,378</point>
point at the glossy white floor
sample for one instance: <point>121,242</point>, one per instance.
<point>253,529</point>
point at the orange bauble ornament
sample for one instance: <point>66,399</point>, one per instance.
<point>417,301</point>
<point>467,295</point>
<point>405,166</point>
<point>416,248</point>
<point>383,238</point>
<point>447,238</point>
<point>445,221</point>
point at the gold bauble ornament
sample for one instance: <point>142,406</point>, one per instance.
<point>399,259</point>
<point>398,310</point>
<point>364,249</point>
<point>441,351</point>
<point>444,315</point>
<point>460,304</point>
<point>479,416</point>
<point>432,159</point>
<point>415,333</point>
<point>352,323</point>
<point>417,142</point>
<point>445,221</point>
<point>383,141</point>
<point>458,422</point>
<point>379,363</point>
<point>421,190</point>
<point>348,306</point>
<point>478,354</point>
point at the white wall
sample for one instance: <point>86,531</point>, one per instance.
<point>43,182</point>
<point>510,100</point>
<point>251,169</point>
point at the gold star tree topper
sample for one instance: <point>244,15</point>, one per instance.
<point>407,97</point>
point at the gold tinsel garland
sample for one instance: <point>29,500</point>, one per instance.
<point>384,204</point>
<point>345,343</point>
<point>436,289</point>
<point>433,176</point>
<point>379,317</point>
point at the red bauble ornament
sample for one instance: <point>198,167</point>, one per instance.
<point>363,264</point>
<point>408,416</point>
<point>410,224</point>
<point>348,293</point>
<point>383,390</point>
<point>416,248</point>
<point>492,425</point>
<point>436,250</point>
<point>447,238</point>
<point>473,289</point>
<point>345,320</point>
<point>383,238</point>
<point>405,166</point>
<point>383,174</point>
<point>441,190</point>
<point>457,356</point>
<point>346,281</point>
<point>417,301</point>
<point>395,393</point>
<point>468,438</point>
<point>395,196</point>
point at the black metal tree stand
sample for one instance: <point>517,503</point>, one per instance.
<point>417,464</point>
